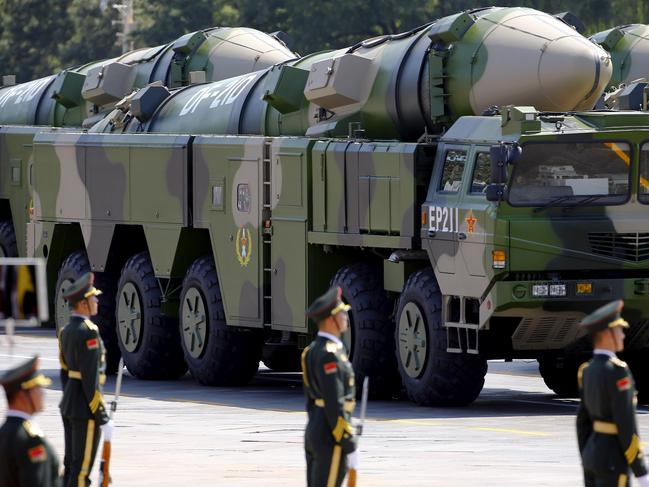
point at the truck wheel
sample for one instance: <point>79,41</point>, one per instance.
<point>74,266</point>
<point>216,354</point>
<point>370,341</point>
<point>559,373</point>
<point>431,375</point>
<point>148,339</point>
<point>280,357</point>
<point>8,247</point>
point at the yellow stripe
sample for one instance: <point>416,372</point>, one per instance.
<point>90,436</point>
<point>96,401</point>
<point>518,432</point>
<point>305,379</point>
<point>74,374</point>
<point>341,428</point>
<point>627,160</point>
<point>335,466</point>
<point>621,481</point>
<point>632,452</point>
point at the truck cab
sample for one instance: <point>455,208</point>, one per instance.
<point>520,261</point>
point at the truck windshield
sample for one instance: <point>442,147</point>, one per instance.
<point>565,174</point>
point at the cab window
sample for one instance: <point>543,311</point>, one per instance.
<point>643,188</point>
<point>451,179</point>
<point>481,173</point>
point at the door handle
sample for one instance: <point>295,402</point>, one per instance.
<point>432,233</point>
<point>461,236</point>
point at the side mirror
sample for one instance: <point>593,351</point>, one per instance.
<point>496,192</point>
<point>501,156</point>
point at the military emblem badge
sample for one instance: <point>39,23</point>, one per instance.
<point>244,246</point>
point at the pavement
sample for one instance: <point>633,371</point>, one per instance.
<point>178,433</point>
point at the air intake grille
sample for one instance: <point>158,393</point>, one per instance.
<point>632,247</point>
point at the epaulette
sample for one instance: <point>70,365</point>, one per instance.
<point>332,347</point>
<point>618,362</point>
<point>91,325</point>
<point>32,429</point>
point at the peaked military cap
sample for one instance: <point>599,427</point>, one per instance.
<point>80,289</point>
<point>329,304</point>
<point>608,316</point>
<point>23,377</point>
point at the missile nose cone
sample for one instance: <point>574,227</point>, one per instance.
<point>531,58</point>
<point>573,72</point>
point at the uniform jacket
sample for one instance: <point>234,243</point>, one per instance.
<point>608,395</point>
<point>82,353</point>
<point>26,457</point>
<point>330,390</point>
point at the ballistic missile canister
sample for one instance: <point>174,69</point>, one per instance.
<point>402,85</point>
<point>628,46</point>
<point>85,92</point>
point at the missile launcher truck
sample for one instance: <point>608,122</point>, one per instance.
<point>215,213</point>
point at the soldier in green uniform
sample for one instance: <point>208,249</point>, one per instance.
<point>606,425</point>
<point>26,458</point>
<point>329,387</point>
<point>82,406</point>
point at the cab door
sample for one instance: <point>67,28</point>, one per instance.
<point>440,239</point>
<point>476,219</point>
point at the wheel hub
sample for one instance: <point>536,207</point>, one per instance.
<point>129,317</point>
<point>413,343</point>
<point>194,322</point>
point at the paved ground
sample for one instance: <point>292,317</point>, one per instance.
<point>177,433</point>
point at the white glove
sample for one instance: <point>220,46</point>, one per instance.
<point>643,481</point>
<point>107,430</point>
<point>352,460</point>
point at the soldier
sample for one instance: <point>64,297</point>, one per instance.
<point>26,458</point>
<point>606,424</point>
<point>82,406</point>
<point>329,388</point>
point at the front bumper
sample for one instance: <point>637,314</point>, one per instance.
<point>551,322</point>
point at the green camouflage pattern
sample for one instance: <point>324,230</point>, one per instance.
<point>249,195</point>
<point>218,52</point>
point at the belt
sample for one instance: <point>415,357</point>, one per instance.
<point>75,374</point>
<point>605,427</point>
<point>348,405</point>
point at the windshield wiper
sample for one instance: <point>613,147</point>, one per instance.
<point>553,202</point>
<point>587,199</point>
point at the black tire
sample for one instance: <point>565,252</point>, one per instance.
<point>559,373</point>
<point>444,379</point>
<point>156,353</point>
<point>227,356</point>
<point>8,247</point>
<point>372,328</point>
<point>280,357</point>
<point>75,265</point>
